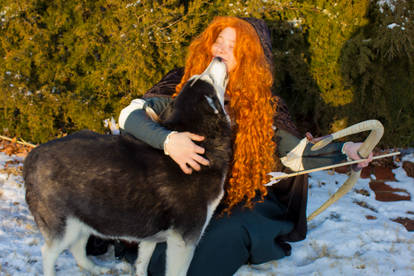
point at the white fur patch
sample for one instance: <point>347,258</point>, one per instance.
<point>76,235</point>
<point>210,211</point>
<point>179,255</point>
<point>213,205</point>
<point>145,250</point>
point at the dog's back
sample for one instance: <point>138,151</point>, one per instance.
<point>114,184</point>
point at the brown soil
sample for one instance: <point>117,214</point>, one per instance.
<point>386,193</point>
<point>380,171</point>
<point>408,223</point>
<point>13,148</point>
<point>409,168</point>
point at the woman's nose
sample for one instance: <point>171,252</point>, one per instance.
<point>220,49</point>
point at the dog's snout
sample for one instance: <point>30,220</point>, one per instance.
<point>219,59</point>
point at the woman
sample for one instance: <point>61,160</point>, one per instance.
<point>242,235</point>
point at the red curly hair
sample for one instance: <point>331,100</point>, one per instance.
<point>252,107</point>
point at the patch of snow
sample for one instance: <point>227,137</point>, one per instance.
<point>340,241</point>
<point>389,3</point>
<point>392,26</point>
<point>112,125</point>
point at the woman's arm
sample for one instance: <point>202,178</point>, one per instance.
<point>297,155</point>
<point>134,120</point>
<point>178,145</point>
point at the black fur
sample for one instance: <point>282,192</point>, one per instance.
<point>122,187</point>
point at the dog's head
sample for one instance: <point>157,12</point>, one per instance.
<point>201,99</point>
<point>216,75</point>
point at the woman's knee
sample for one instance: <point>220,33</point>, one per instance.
<point>227,231</point>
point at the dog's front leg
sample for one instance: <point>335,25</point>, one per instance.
<point>145,250</point>
<point>179,255</point>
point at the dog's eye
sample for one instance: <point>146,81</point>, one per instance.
<point>211,103</point>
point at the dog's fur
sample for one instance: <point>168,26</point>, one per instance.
<point>119,187</point>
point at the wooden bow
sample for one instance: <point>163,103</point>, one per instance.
<point>377,130</point>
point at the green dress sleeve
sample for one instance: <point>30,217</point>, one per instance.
<point>136,122</point>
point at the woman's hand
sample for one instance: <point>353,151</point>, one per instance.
<point>350,149</point>
<point>185,152</point>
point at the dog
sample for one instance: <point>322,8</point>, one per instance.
<point>118,187</point>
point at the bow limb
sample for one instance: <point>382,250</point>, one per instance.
<point>377,130</point>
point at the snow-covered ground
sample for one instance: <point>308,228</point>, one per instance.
<point>341,240</point>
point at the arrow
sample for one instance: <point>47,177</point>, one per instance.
<point>332,166</point>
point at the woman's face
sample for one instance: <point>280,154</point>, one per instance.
<point>223,47</point>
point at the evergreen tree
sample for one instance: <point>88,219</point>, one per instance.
<point>378,65</point>
<point>68,65</point>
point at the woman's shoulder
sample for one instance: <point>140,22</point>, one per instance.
<point>282,118</point>
<point>166,86</point>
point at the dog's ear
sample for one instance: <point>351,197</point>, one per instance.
<point>211,104</point>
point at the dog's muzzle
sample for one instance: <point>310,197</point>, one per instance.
<point>216,75</point>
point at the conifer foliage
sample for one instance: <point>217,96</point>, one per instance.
<point>378,65</point>
<point>68,65</point>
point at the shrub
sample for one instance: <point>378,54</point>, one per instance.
<point>68,65</point>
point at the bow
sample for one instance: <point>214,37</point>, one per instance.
<point>377,130</point>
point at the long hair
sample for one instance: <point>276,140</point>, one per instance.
<point>252,107</point>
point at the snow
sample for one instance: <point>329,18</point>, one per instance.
<point>389,3</point>
<point>340,241</point>
<point>392,26</point>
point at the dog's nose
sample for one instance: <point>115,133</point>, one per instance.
<point>219,59</point>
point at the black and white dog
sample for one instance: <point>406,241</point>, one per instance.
<point>119,187</point>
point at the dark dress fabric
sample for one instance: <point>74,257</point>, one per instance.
<point>246,236</point>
